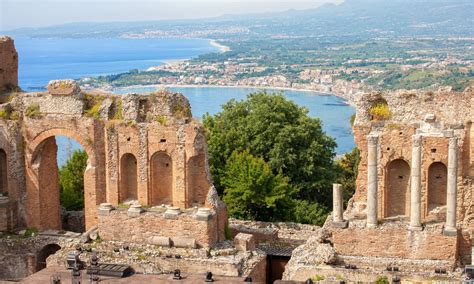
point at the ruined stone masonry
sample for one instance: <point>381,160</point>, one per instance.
<point>413,206</point>
<point>141,148</point>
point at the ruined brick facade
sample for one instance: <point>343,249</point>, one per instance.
<point>413,201</point>
<point>143,149</point>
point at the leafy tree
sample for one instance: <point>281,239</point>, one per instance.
<point>282,134</point>
<point>309,213</point>
<point>348,166</point>
<point>71,181</point>
<point>253,192</point>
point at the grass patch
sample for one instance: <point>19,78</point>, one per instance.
<point>33,111</point>
<point>92,106</point>
<point>118,114</point>
<point>31,232</point>
<point>382,280</point>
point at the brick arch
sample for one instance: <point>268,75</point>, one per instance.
<point>198,184</point>
<point>43,136</point>
<point>437,183</point>
<point>161,173</point>
<point>42,180</point>
<point>44,253</point>
<point>397,188</point>
<point>128,186</point>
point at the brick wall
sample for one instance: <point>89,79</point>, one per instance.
<point>396,242</point>
<point>8,64</point>
<point>117,225</point>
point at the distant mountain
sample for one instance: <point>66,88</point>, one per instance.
<point>361,18</point>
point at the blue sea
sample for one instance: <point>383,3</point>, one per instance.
<point>43,59</point>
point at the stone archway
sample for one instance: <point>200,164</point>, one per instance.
<point>161,179</point>
<point>3,172</point>
<point>44,253</point>
<point>397,189</point>
<point>128,178</point>
<point>198,185</point>
<point>42,181</point>
<point>437,182</point>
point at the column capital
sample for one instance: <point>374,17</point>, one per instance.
<point>417,139</point>
<point>373,139</point>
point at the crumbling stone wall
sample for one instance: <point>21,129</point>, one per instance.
<point>433,120</point>
<point>8,64</point>
<point>156,227</point>
<point>122,136</point>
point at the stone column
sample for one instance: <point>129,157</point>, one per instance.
<point>338,206</point>
<point>450,226</point>
<point>372,145</point>
<point>415,195</point>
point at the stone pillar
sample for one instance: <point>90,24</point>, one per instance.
<point>450,227</point>
<point>415,196</point>
<point>338,206</point>
<point>372,148</point>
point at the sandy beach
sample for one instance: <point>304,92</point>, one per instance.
<point>222,48</point>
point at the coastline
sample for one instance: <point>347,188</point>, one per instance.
<point>222,48</point>
<point>164,86</point>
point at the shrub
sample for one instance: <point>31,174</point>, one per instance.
<point>161,119</point>
<point>4,114</point>
<point>382,280</point>
<point>33,111</point>
<point>93,104</point>
<point>380,111</point>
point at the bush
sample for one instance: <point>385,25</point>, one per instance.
<point>33,111</point>
<point>380,111</point>
<point>4,114</point>
<point>309,213</point>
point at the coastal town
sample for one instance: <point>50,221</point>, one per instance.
<point>346,79</point>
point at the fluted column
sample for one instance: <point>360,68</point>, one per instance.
<point>372,145</point>
<point>450,226</point>
<point>415,190</point>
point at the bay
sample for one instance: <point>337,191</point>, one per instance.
<point>45,59</point>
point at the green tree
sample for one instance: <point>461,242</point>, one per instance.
<point>282,134</point>
<point>348,166</point>
<point>71,181</point>
<point>253,192</point>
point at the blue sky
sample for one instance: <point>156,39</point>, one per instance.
<point>39,13</point>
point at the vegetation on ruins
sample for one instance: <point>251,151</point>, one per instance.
<point>380,111</point>
<point>282,135</point>
<point>33,111</point>
<point>71,181</point>
<point>118,112</point>
<point>92,106</point>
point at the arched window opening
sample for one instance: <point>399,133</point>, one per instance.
<point>128,178</point>
<point>161,179</point>
<point>397,187</point>
<point>437,182</point>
